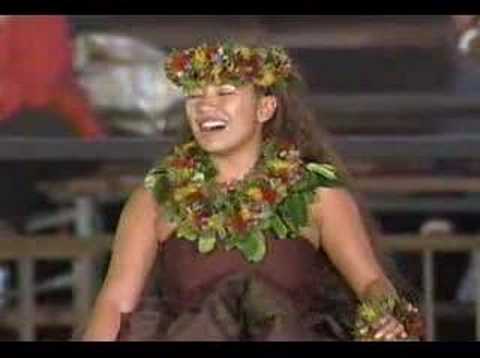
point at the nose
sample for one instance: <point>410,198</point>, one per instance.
<point>206,104</point>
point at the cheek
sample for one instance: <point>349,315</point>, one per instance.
<point>244,112</point>
<point>189,113</point>
<point>188,109</point>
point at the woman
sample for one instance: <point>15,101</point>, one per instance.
<point>257,236</point>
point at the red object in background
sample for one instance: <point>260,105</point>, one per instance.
<point>36,71</point>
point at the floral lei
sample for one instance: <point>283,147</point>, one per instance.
<point>270,201</point>
<point>229,62</point>
<point>370,311</point>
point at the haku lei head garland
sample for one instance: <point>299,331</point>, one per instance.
<point>229,63</point>
<point>270,201</point>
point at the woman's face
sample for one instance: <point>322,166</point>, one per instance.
<point>224,118</point>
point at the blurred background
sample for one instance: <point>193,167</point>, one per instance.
<point>85,110</point>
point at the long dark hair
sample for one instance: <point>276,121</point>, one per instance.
<point>295,121</point>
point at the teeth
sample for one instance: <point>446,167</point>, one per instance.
<point>215,124</point>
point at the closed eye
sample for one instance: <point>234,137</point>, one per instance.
<point>227,93</point>
<point>227,90</point>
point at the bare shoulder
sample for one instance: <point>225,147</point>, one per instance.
<point>335,211</point>
<point>334,201</point>
<point>141,197</point>
<point>142,210</point>
<point>326,200</point>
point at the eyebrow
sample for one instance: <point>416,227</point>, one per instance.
<point>225,87</point>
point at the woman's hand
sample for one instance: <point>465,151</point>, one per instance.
<point>388,328</point>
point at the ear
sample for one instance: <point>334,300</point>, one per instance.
<point>267,105</point>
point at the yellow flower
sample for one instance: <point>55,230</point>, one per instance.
<point>200,57</point>
<point>279,165</point>
<point>267,80</point>
<point>189,145</point>
<point>184,192</point>
<point>255,194</point>
<point>215,222</point>
<point>245,52</point>
<point>245,213</point>
<point>216,71</point>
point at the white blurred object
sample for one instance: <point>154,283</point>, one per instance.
<point>469,36</point>
<point>469,40</point>
<point>125,74</point>
<point>113,47</point>
<point>467,287</point>
<point>436,226</point>
<point>4,277</point>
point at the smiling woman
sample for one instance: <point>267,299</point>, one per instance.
<point>250,225</point>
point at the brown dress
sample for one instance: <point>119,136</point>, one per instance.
<point>294,294</point>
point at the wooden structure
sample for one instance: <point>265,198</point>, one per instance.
<point>27,316</point>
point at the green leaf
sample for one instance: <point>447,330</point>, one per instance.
<point>187,232</point>
<point>216,224</point>
<point>278,227</point>
<point>270,149</point>
<point>326,174</point>
<point>285,215</point>
<point>253,246</point>
<point>326,170</point>
<point>230,242</point>
<point>170,213</point>
<point>161,188</point>
<point>297,208</point>
<point>206,244</point>
<point>198,177</point>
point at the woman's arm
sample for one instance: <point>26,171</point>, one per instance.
<point>344,238</point>
<point>141,227</point>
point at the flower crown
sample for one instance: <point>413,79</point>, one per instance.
<point>227,62</point>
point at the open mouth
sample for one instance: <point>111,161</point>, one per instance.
<point>212,125</point>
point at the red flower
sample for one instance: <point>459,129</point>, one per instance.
<point>211,53</point>
<point>286,144</point>
<point>269,195</point>
<point>239,224</point>
<point>183,163</point>
<point>249,68</point>
<point>180,62</point>
<point>284,179</point>
<point>201,219</point>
